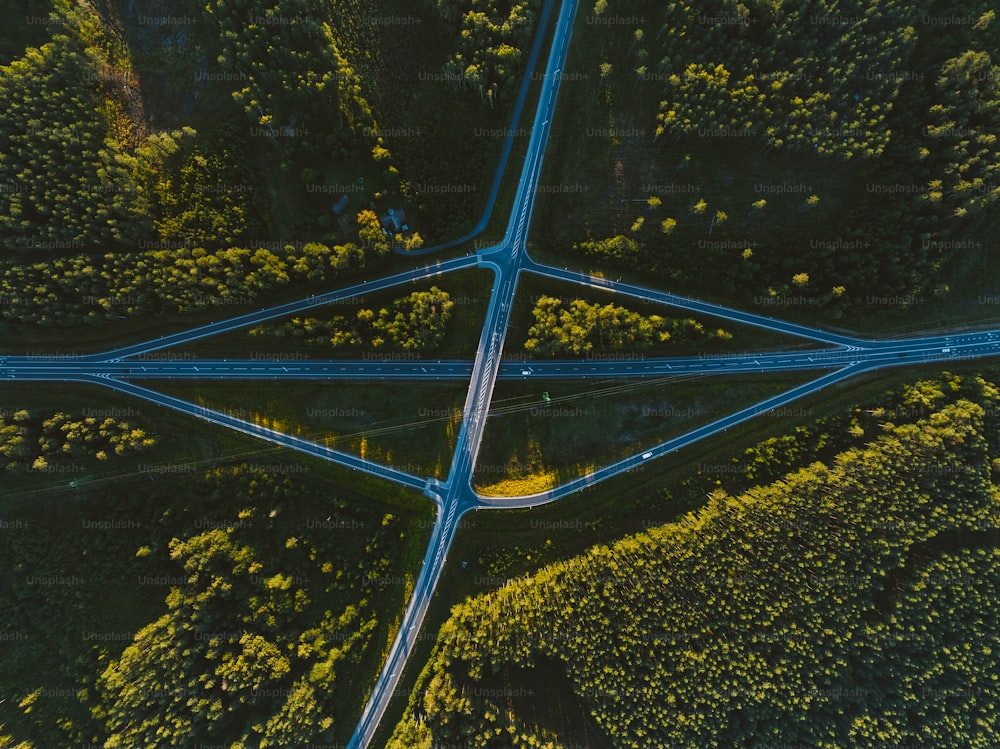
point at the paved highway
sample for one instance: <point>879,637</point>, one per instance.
<point>954,347</point>
<point>693,305</point>
<point>456,493</point>
<point>842,356</point>
<point>638,461</point>
<point>508,144</point>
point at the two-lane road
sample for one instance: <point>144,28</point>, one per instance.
<point>843,356</point>
<point>505,261</point>
<point>901,351</point>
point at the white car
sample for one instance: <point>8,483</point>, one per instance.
<point>525,372</point>
<point>647,456</point>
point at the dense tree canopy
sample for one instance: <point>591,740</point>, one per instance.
<point>231,647</point>
<point>964,134</point>
<point>80,289</point>
<point>807,612</point>
<point>787,74</point>
<point>493,37</point>
<point>64,181</point>
<point>619,249</point>
<point>43,442</point>
<point>580,327</point>
<point>196,192</point>
<point>235,603</point>
<point>287,67</point>
<point>416,322</point>
<point>249,646</point>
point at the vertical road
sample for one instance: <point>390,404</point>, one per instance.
<point>505,260</point>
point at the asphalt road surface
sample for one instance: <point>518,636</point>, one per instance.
<point>842,357</point>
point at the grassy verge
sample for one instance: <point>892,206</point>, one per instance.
<point>177,443</point>
<point>409,426</point>
<point>531,445</point>
<point>181,448</point>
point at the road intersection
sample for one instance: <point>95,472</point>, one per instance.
<point>839,357</point>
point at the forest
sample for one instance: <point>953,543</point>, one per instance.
<point>838,588</point>
<point>82,289</point>
<point>493,36</point>
<point>238,604</point>
<point>813,154</point>
<point>293,72</point>
<point>806,611</point>
<point>275,112</point>
<point>67,184</point>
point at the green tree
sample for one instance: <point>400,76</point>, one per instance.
<point>68,183</point>
<point>793,573</point>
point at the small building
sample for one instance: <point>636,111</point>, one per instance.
<point>340,205</point>
<point>394,220</point>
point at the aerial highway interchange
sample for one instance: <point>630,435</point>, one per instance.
<point>834,357</point>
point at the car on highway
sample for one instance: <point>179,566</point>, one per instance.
<point>647,456</point>
<point>525,372</point>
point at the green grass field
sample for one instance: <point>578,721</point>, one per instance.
<point>531,445</point>
<point>409,426</point>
